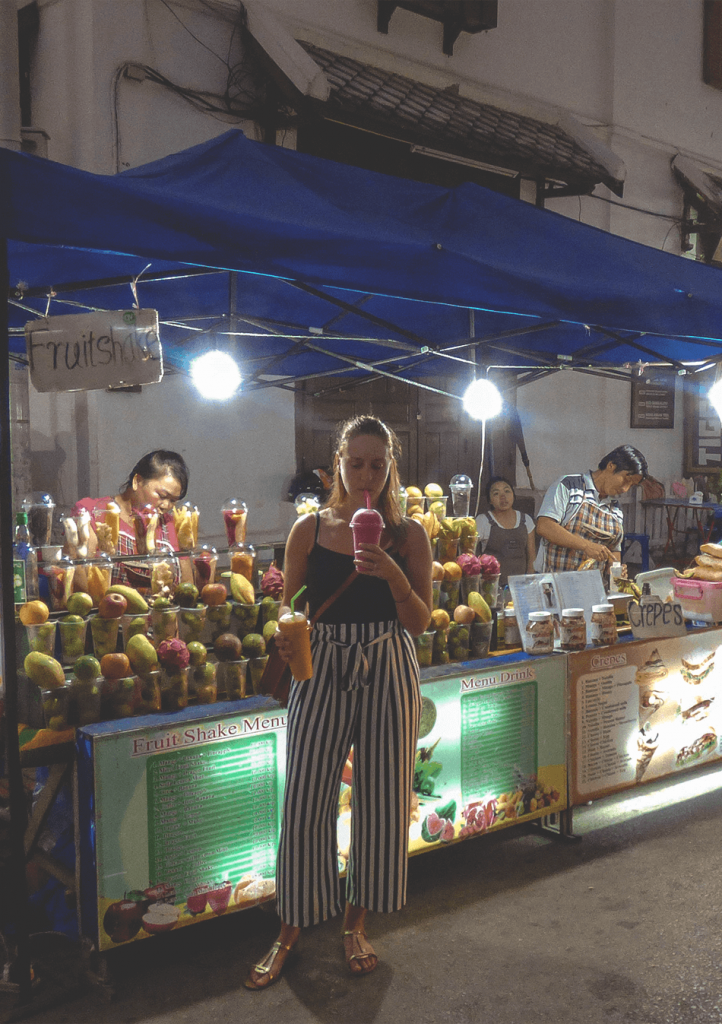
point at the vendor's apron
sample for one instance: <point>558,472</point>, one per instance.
<point>592,523</point>
<point>509,547</point>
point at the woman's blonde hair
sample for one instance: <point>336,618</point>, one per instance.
<point>388,503</point>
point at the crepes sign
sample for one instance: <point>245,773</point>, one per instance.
<point>93,351</point>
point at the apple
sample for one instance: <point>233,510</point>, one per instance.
<point>123,919</point>
<point>112,606</point>
<point>213,594</point>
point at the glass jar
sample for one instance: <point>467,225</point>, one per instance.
<point>573,629</point>
<point>512,636</point>
<point>603,631</point>
<point>539,633</point>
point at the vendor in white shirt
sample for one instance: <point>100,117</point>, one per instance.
<point>580,518</point>
<point>506,533</point>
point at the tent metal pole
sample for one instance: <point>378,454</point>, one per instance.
<point>17,889</point>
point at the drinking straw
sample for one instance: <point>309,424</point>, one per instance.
<point>295,596</point>
<point>368,499</point>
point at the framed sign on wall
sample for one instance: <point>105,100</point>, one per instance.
<point>702,429</point>
<point>653,399</point>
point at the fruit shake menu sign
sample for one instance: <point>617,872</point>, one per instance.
<point>90,351</point>
<point>491,751</point>
<point>186,819</point>
<point>644,709</point>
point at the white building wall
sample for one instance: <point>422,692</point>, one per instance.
<point>630,69</point>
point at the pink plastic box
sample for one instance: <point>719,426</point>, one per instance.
<point>700,599</point>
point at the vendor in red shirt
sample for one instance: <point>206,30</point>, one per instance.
<point>159,480</point>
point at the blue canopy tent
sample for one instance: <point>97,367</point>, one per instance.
<point>313,267</point>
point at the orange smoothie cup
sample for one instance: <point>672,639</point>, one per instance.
<point>295,626</point>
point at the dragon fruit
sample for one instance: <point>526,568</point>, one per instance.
<point>470,564</point>
<point>489,566</point>
<point>173,654</point>
<point>272,583</point>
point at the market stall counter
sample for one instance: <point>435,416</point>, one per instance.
<point>179,813</point>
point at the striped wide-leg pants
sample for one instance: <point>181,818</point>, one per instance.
<point>364,693</point>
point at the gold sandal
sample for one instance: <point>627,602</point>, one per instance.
<point>266,965</point>
<point>358,952</point>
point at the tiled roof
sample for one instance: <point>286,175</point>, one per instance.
<point>438,118</point>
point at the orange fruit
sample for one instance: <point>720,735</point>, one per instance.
<point>34,613</point>
<point>115,666</point>
<point>452,571</point>
<point>440,619</point>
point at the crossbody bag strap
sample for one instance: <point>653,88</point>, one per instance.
<point>336,594</point>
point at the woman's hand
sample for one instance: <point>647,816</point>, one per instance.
<point>283,644</point>
<point>372,560</point>
<point>599,552</point>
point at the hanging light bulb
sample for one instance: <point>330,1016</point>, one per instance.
<point>482,400</point>
<point>216,375</point>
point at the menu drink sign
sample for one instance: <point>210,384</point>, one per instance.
<point>186,818</point>
<point>643,710</point>
<point>491,750</point>
<point>653,398</point>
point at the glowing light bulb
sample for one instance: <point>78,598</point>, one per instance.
<point>715,397</point>
<point>216,375</point>
<point>482,400</point>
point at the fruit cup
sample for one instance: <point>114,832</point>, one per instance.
<point>148,692</point>
<point>269,610</point>
<point>203,683</point>
<point>458,642</point>
<point>191,623</point>
<point>460,488</point>
<point>245,618</point>
<point>440,651</point>
<point>218,621</point>
<point>131,625</point>
<point>490,590</point>
<point>436,594</point>
<point>72,629</point>
<point>424,648</point>
<point>480,639</point>
<point>234,513</point>
<point>119,697</point>
<point>41,638</point>
<point>437,506</point>
<point>256,668</point>
<point>469,584</point>
<point>85,700</point>
<point>173,688</point>
<point>164,623</point>
<point>450,590</point>
<point>447,548</point>
<point>105,635</point>
<point>205,559</point>
<point>231,676</point>
<point>56,708</point>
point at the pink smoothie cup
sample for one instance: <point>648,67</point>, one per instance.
<point>367,525</point>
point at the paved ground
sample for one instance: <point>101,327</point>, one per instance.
<point>624,926</point>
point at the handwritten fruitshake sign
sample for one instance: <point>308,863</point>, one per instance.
<point>93,351</point>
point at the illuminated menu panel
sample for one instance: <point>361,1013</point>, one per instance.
<point>213,813</point>
<point>498,739</point>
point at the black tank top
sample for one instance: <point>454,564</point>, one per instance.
<point>367,599</point>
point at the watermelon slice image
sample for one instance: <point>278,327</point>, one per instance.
<point>432,827</point>
<point>447,832</point>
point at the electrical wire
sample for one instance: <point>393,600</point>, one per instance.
<point>193,36</point>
